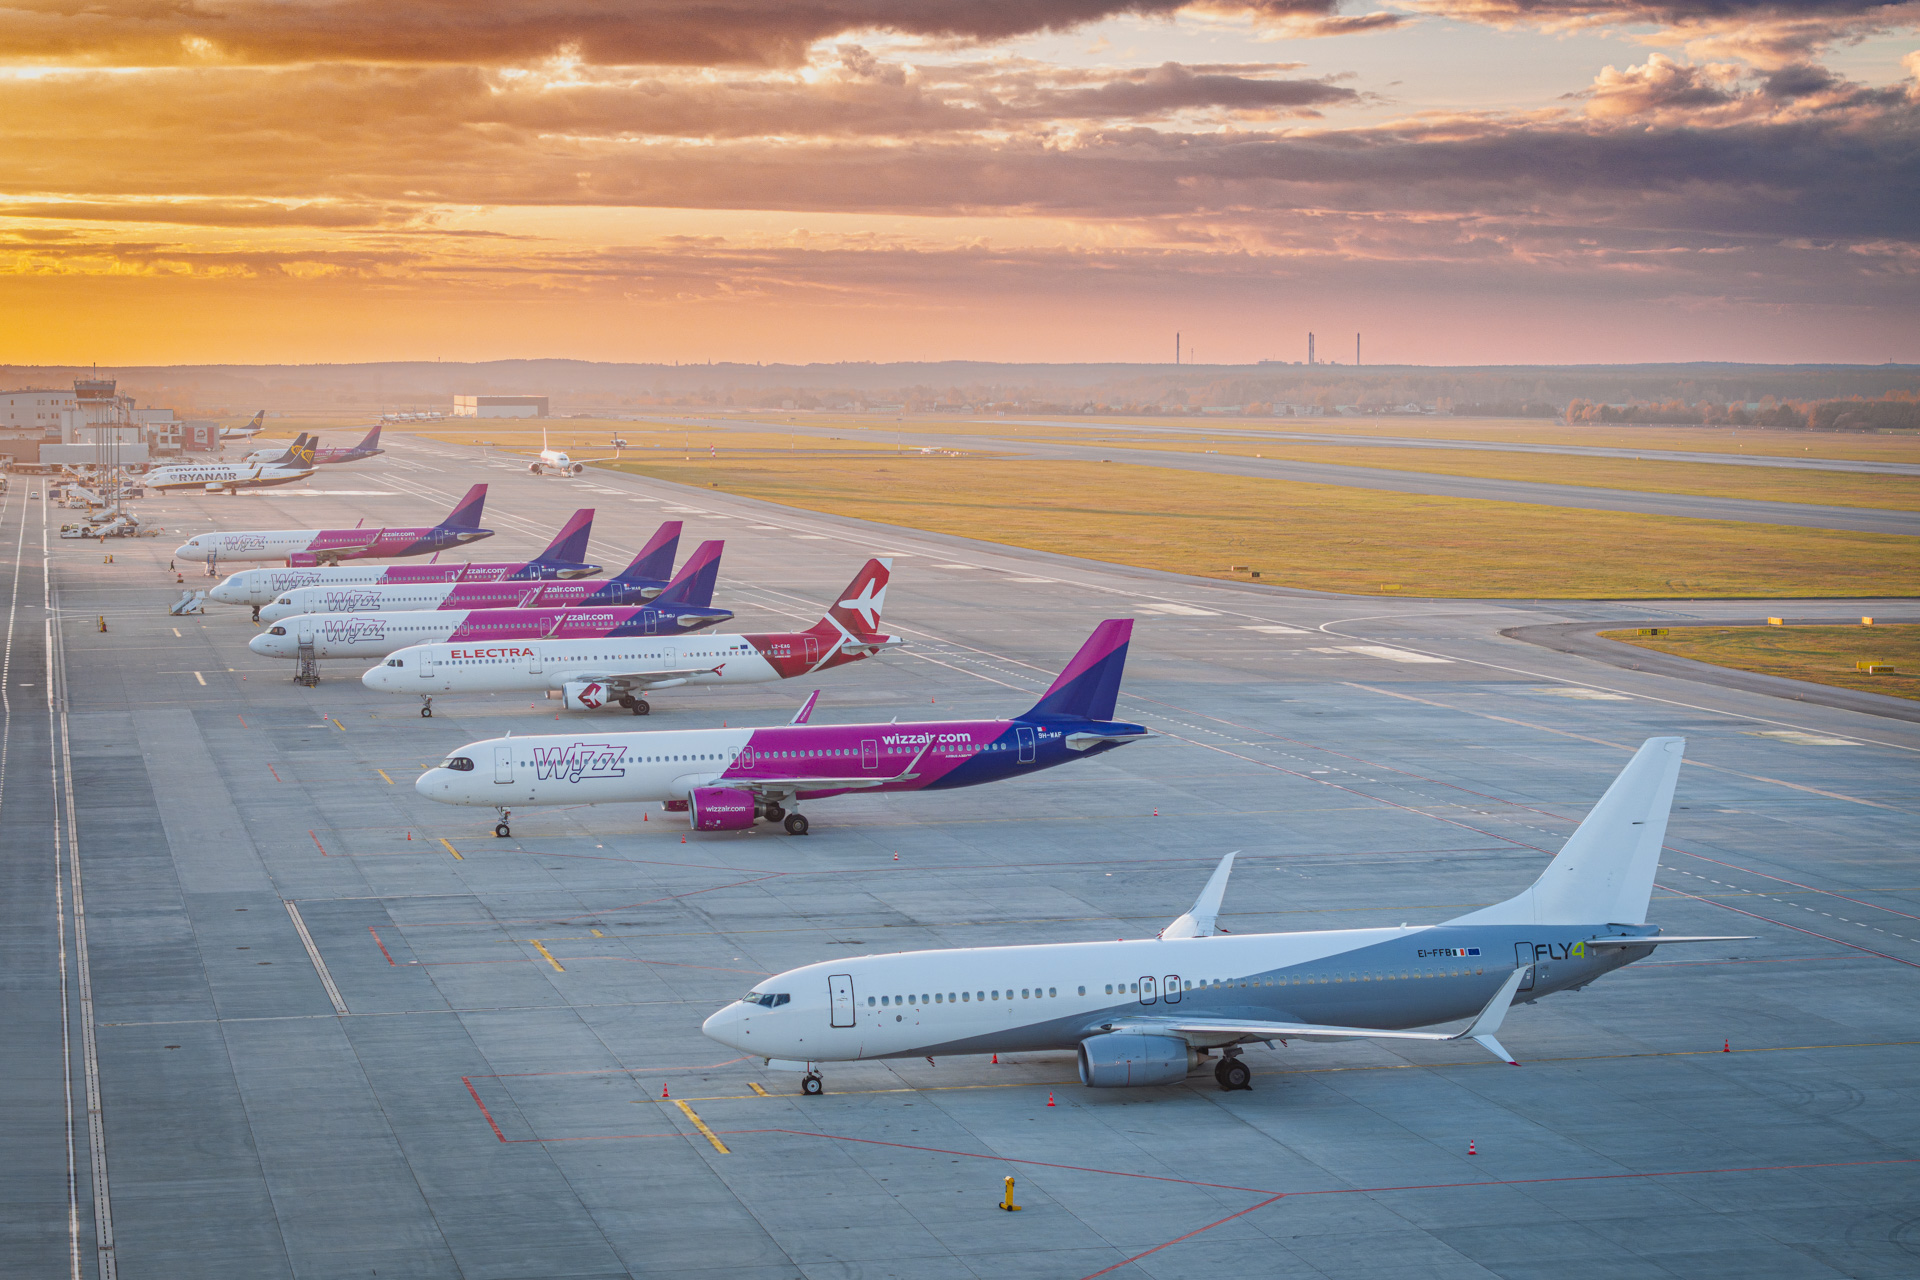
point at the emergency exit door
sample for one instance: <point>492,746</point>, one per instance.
<point>1523,956</point>
<point>840,996</point>
<point>503,764</point>
<point>1148,994</point>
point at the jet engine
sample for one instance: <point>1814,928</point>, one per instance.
<point>722,809</point>
<point>584,695</point>
<point>1123,1058</point>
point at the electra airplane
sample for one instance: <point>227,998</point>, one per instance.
<point>1152,1011</point>
<point>729,779</point>
<point>561,560</point>
<point>643,580</point>
<point>302,548</point>
<point>617,670</point>
<point>685,605</point>
<point>294,463</point>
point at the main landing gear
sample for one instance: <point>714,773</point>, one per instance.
<point>426,706</point>
<point>1233,1073</point>
<point>500,828</point>
<point>795,823</point>
<point>638,706</point>
<point>811,1084</point>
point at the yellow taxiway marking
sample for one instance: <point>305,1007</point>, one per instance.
<point>543,951</point>
<point>383,773</point>
<point>757,1089</point>
<point>336,724</point>
<point>596,933</point>
<point>456,853</point>
<point>202,679</point>
<point>176,631</point>
<point>705,1132</point>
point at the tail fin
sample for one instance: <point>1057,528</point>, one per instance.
<point>569,546</point>
<point>292,456</point>
<point>371,442</point>
<point>693,585</point>
<point>467,514</point>
<point>1604,873</point>
<point>655,561</point>
<point>857,610</point>
<point>303,450</point>
<point>1090,685</point>
<point>259,421</point>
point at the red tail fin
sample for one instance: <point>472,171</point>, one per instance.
<point>857,610</point>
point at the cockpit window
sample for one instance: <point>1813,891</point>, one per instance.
<point>277,631</point>
<point>396,662</point>
<point>459,764</point>
<point>766,999</point>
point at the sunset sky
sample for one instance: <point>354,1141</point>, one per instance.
<point>1466,181</point>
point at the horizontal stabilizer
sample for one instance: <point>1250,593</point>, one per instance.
<point>1660,938</point>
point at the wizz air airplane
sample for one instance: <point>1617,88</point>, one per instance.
<point>649,574</point>
<point>305,547</point>
<point>293,463</point>
<point>1152,1011</point>
<point>617,670</point>
<point>367,448</point>
<point>561,560</point>
<point>686,605</point>
<point>729,779</point>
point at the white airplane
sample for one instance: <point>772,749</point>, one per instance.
<point>247,432</point>
<point>1153,1010</point>
<point>619,670</point>
<point>554,462</point>
<point>291,464</point>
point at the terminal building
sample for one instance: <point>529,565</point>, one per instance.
<point>91,425</point>
<point>499,406</point>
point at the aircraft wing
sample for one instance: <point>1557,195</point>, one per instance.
<point>1481,1030</point>
<point>781,787</point>
<point>626,681</point>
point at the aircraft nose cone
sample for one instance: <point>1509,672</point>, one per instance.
<point>430,782</point>
<point>371,678</point>
<point>262,644</point>
<point>724,1026</point>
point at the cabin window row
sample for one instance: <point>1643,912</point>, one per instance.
<point>966,997</point>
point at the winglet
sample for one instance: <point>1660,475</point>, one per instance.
<point>800,716</point>
<point>1198,921</point>
<point>1481,1029</point>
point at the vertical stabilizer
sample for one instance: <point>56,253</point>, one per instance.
<point>655,561</point>
<point>693,585</point>
<point>1199,921</point>
<point>467,514</point>
<point>1604,873</point>
<point>372,443</point>
<point>569,546</point>
<point>1090,685</point>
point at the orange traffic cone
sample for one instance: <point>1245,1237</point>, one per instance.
<point>663,1090</point>
<point>1156,811</point>
<point>1049,1097</point>
<point>1726,1046</point>
<point>896,857</point>
<point>996,1059</point>
<point>683,839</point>
<point>1470,1150</point>
<point>409,835</point>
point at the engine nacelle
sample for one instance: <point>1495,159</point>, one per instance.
<point>575,469</point>
<point>1123,1059</point>
<point>721,809</point>
<point>584,695</point>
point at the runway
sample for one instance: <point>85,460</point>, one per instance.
<point>341,1030</point>
<point>1685,506</point>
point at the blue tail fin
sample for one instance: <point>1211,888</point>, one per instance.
<point>569,546</point>
<point>372,442</point>
<point>467,514</point>
<point>655,561</point>
<point>1089,686</point>
<point>693,585</point>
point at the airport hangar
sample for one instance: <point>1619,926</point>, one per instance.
<point>316,1026</point>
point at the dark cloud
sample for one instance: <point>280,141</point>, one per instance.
<point>214,213</point>
<point>1172,87</point>
<point>1766,32</point>
<point>609,32</point>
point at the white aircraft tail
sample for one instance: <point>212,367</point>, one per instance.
<point>1198,922</point>
<point>1604,873</point>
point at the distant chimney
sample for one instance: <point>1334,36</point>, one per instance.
<point>1356,351</point>
<point>1176,346</point>
<point>1309,348</point>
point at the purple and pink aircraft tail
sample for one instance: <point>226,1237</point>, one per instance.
<point>467,514</point>
<point>693,585</point>
<point>655,561</point>
<point>1089,687</point>
<point>569,546</point>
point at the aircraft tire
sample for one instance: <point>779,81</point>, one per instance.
<point>774,813</point>
<point>811,1085</point>
<point>796,824</point>
<point>1233,1074</point>
<point>501,830</point>
<point>641,707</point>
<point>426,713</point>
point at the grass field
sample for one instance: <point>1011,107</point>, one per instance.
<point>1823,655</point>
<point>1324,537</point>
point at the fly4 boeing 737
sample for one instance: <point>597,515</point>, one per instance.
<point>1151,1011</point>
<point>643,580</point>
<point>616,670</point>
<point>686,605</point>
<point>563,559</point>
<point>728,779</point>
<point>302,547</point>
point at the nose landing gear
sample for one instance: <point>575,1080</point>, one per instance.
<point>501,829</point>
<point>426,706</point>
<point>811,1084</point>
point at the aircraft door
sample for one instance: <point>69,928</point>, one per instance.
<point>503,764</point>
<point>869,753</point>
<point>427,665</point>
<point>1523,956</point>
<point>653,621</point>
<point>812,649</point>
<point>840,993</point>
<point>534,664</point>
<point>1025,737</point>
<point>1172,988</point>
<point>1147,992</point>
